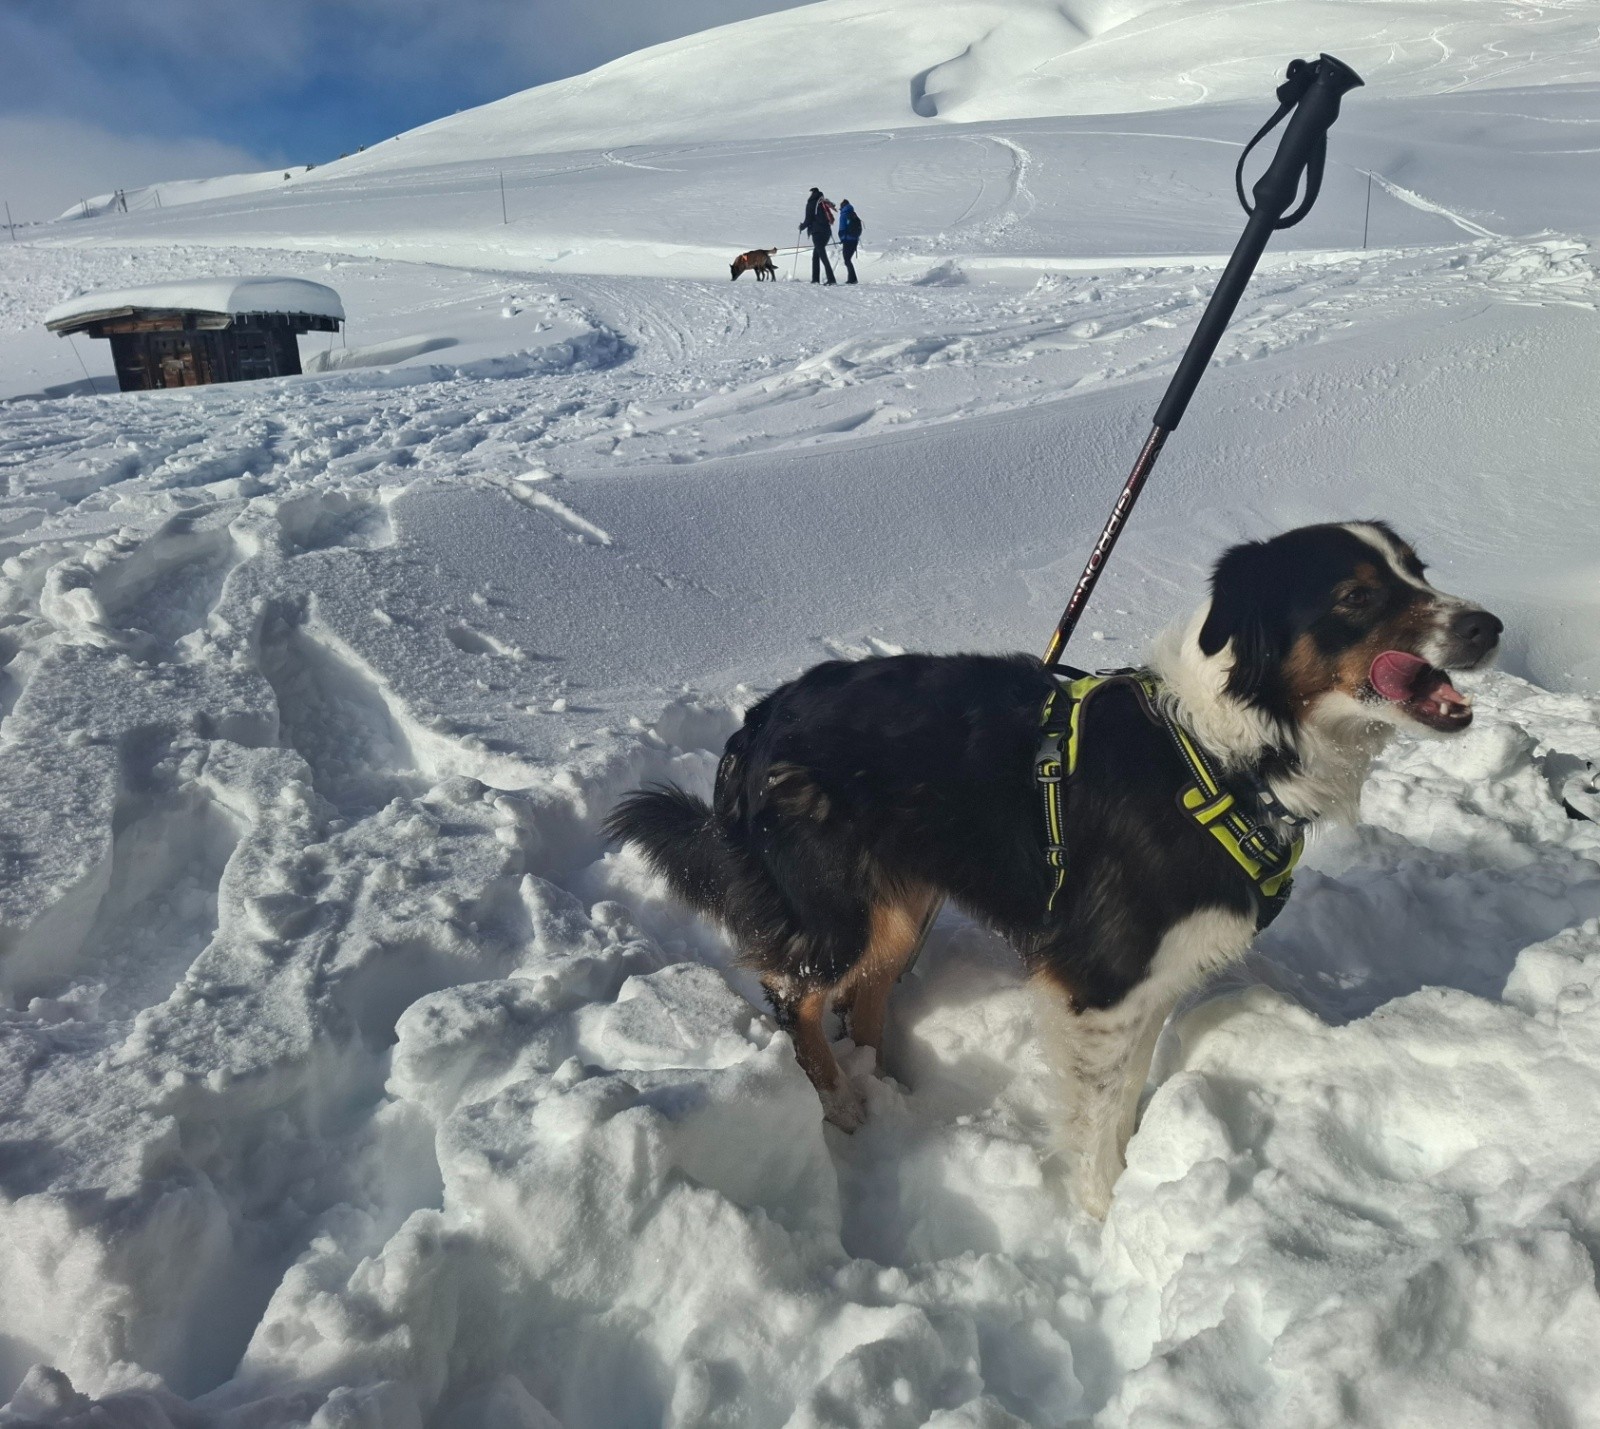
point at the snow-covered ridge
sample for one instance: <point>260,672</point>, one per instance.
<point>174,193</point>
<point>848,65</point>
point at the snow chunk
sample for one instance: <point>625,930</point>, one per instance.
<point>206,295</point>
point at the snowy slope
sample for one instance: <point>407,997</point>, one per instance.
<point>347,1078</point>
<point>176,192</point>
<point>1052,193</point>
<point>847,65</point>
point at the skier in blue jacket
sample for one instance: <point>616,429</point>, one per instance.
<point>849,236</point>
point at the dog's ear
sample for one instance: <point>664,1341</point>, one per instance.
<point>1244,596</point>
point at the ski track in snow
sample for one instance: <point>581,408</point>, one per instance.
<point>411,1104</point>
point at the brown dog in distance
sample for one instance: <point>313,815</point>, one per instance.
<point>757,261</point>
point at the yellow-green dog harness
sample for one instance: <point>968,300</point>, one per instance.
<point>1267,857</point>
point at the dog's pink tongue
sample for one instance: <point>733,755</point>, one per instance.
<point>1394,675</point>
<point>1401,677</point>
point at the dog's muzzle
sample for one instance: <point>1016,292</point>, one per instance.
<point>1470,639</point>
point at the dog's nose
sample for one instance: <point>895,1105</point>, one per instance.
<point>1476,632</point>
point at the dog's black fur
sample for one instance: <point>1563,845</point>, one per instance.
<point>859,793</point>
<point>861,780</point>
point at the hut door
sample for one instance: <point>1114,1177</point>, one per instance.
<point>175,360</point>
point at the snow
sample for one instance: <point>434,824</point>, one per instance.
<point>853,65</point>
<point>349,1078</point>
<point>205,295</point>
<point>176,192</point>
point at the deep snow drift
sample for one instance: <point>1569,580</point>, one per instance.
<point>348,1079</point>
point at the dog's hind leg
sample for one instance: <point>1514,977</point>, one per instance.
<point>801,1016</point>
<point>816,895</point>
<point>891,944</point>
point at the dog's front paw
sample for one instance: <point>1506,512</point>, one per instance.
<point>1094,1181</point>
<point>1094,1196</point>
<point>843,1105</point>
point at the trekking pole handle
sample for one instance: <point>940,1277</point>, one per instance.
<point>1312,89</point>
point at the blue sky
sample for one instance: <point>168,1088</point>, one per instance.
<point>99,94</point>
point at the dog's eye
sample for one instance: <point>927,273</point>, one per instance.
<point>1356,597</point>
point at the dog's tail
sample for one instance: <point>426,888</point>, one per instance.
<point>682,841</point>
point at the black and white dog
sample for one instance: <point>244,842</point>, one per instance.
<point>859,793</point>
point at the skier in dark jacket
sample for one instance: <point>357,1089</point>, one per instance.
<point>819,224</point>
<point>849,236</point>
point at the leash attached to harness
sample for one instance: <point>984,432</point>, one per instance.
<point>1252,840</point>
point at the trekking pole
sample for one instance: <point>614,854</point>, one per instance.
<point>1312,90</point>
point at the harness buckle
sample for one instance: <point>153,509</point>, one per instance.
<point>1262,845</point>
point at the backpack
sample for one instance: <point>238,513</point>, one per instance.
<point>850,226</point>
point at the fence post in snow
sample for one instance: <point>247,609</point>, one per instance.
<point>10,226</point>
<point>1366,220</point>
<point>503,218</point>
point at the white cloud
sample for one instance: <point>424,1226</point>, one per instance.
<point>111,71</point>
<point>47,164</point>
<point>158,53</point>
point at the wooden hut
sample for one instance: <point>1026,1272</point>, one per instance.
<point>202,330</point>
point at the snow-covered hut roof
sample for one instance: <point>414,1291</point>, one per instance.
<point>230,296</point>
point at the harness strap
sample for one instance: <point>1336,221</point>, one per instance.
<point>1056,762</point>
<point>1266,857</point>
